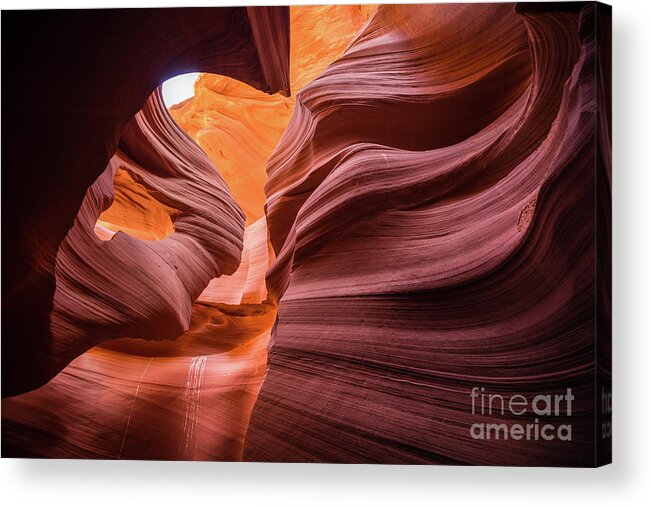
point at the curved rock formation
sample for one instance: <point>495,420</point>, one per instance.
<point>431,205</point>
<point>247,284</point>
<point>97,80</point>
<point>427,228</point>
<point>152,293</point>
<point>168,224</point>
<point>238,126</point>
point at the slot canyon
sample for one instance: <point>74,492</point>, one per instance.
<point>360,214</point>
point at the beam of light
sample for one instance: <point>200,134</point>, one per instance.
<point>179,88</point>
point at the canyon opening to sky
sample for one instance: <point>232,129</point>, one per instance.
<point>179,88</point>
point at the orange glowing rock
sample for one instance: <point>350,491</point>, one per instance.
<point>319,35</point>
<point>247,284</point>
<point>136,211</point>
<point>239,126</point>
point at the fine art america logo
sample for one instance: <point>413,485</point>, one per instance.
<point>519,406</point>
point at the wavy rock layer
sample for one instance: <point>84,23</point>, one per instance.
<point>170,224</point>
<point>427,227</point>
<point>152,293</point>
<point>187,399</point>
<point>239,126</point>
<point>247,284</point>
<point>96,81</point>
<point>431,205</point>
<point>185,388</point>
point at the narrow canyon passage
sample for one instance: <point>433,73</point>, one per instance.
<point>318,257</point>
<point>190,397</point>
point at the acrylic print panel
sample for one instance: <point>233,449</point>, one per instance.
<point>340,233</point>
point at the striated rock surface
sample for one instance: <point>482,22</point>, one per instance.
<point>239,126</point>
<point>85,85</point>
<point>151,294</point>
<point>431,206</point>
<point>187,399</point>
<point>247,284</point>
<point>153,230</point>
<point>329,279</point>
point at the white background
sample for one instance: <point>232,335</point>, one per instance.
<point>627,481</point>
